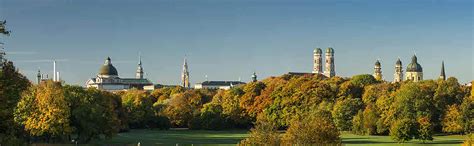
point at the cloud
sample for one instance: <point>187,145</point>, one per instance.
<point>21,53</point>
<point>41,61</point>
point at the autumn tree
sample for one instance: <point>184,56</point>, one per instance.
<point>263,133</point>
<point>312,128</point>
<point>43,111</point>
<point>452,122</point>
<point>139,108</point>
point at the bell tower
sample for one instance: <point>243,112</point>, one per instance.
<point>378,71</point>
<point>398,76</point>
<point>317,61</point>
<point>330,70</point>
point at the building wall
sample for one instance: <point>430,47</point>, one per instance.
<point>414,76</point>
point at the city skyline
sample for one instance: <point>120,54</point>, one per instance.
<point>230,40</point>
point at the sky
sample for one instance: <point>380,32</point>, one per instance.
<point>229,39</point>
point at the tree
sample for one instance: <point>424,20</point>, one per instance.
<point>264,133</point>
<point>344,110</point>
<point>3,29</point>
<point>93,113</point>
<point>358,124</point>
<point>312,128</point>
<point>44,112</point>
<point>452,122</point>
<point>370,117</point>
<point>12,84</point>
<point>139,108</point>
<point>403,130</point>
<point>467,114</point>
<point>425,130</point>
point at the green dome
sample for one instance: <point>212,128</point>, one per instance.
<point>329,50</point>
<point>414,66</point>
<point>318,50</point>
<point>377,63</point>
<point>108,68</point>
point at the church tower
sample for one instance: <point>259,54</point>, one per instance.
<point>378,71</point>
<point>254,77</point>
<point>330,68</point>
<point>414,70</point>
<point>318,61</point>
<point>38,77</point>
<point>185,75</point>
<point>398,76</point>
<point>139,73</point>
<point>443,74</point>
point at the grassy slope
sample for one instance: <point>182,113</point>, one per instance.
<point>149,137</point>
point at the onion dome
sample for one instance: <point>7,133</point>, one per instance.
<point>377,63</point>
<point>329,50</point>
<point>399,62</point>
<point>108,68</point>
<point>414,66</point>
<point>318,51</point>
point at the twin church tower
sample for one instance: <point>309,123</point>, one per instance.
<point>330,69</point>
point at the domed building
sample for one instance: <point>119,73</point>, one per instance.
<point>414,70</point>
<point>108,79</point>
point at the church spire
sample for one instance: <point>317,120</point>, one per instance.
<point>139,73</point>
<point>185,75</point>
<point>443,74</point>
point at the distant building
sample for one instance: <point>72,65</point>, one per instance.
<point>398,76</point>
<point>378,71</point>
<point>254,77</point>
<point>108,79</point>
<point>185,75</point>
<point>443,74</point>
<point>225,85</point>
<point>414,70</point>
<point>329,70</point>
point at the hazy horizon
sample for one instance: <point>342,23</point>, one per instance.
<point>227,39</point>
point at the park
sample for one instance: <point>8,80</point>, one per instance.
<point>232,137</point>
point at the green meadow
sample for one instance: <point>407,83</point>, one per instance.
<point>231,137</point>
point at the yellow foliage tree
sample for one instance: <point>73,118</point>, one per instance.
<point>451,121</point>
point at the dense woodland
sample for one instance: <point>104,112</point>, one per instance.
<point>302,105</point>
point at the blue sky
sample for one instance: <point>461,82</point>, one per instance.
<point>226,39</point>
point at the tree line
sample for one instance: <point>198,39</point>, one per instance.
<point>310,109</point>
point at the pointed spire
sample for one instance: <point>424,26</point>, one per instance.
<point>443,74</point>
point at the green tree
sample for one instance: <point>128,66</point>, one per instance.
<point>467,114</point>
<point>344,110</point>
<point>358,123</point>
<point>425,130</point>
<point>403,130</point>
<point>94,113</point>
<point>370,117</point>
<point>3,29</point>
<point>12,84</point>
<point>263,133</point>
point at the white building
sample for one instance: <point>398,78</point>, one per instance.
<point>226,85</point>
<point>108,79</point>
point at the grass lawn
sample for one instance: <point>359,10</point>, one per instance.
<point>231,137</point>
